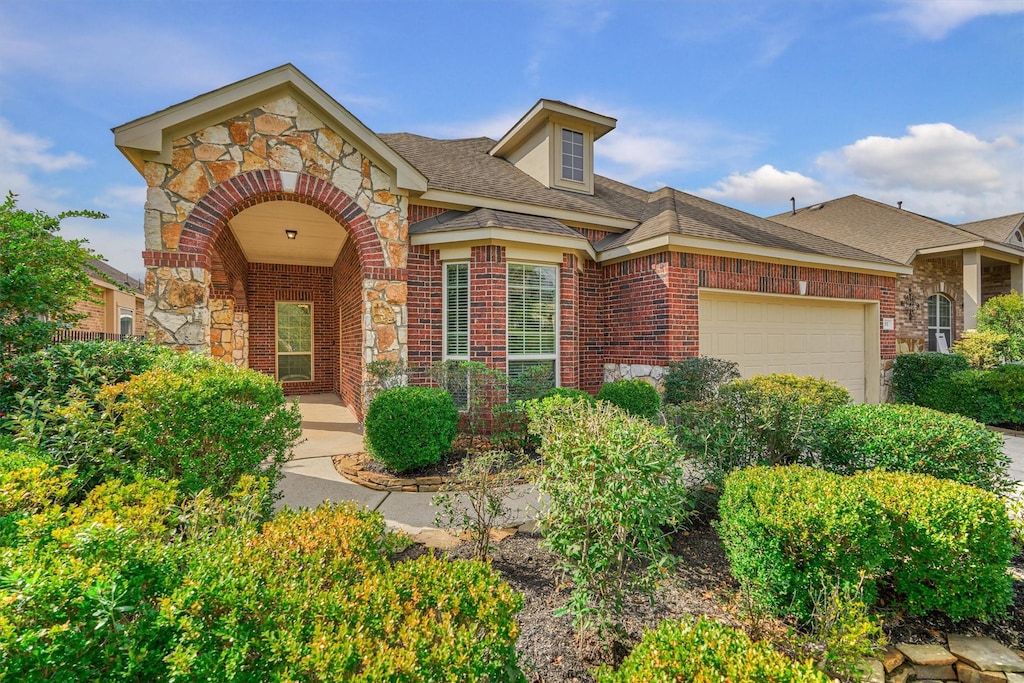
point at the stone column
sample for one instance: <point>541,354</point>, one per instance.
<point>178,307</point>
<point>972,287</point>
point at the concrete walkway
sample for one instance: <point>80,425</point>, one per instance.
<point>330,429</point>
<point>310,478</point>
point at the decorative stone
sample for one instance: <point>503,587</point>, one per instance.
<point>251,162</point>
<point>928,655</point>
<point>190,183</point>
<point>285,158</point>
<point>271,124</point>
<point>222,170</point>
<point>382,313</point>
<point>306,121</point>
<point>985,654</point>
<point>436,538</point>
<point>181,158</point>
<point>210,152</point>
<point>968,674</point>
<point>184,294</point>
<point>157,200</point>
<point>891,659</point>
<point>217,135</point>
<point>1014,677</point>
<point>397,254</point>
<point>385,337</point>
<point>934,672</point>
<point>284,106</point>
<point>871,671</point>
<point>396,293</point>
<point>171,235</point>
<point>240,132</point>
<point>153,173</point>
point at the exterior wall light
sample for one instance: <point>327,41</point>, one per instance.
<point>291,234</point>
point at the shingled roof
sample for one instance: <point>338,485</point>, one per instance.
<point>996,229</point>
<point>875,227</point>
<point>464,166</point>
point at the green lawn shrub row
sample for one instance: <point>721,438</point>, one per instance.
<point>909,438</point>
<point>613,487</point>
<point>707,651</point>
<point>635,396</point>
<point>410,427</point>
<point>697,379</point>
<point>183,416</point>
<point>937,545</point>
<point>912,372</point>
<point>140,581</point>
<point>764,420</point>
<point>994,397</point>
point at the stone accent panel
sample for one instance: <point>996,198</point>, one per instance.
<point>177,306</point>
<point>649,373</point>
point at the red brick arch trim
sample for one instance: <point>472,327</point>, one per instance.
<point>225,201</point>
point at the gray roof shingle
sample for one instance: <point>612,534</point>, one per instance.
<point>996,229</point>
<point>490,218</point>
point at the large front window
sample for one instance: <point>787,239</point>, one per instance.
<point>126,320</point>
<point>294,341</point>
<point>456,311</point>
<point>532,320</point>
<point>940,323</point>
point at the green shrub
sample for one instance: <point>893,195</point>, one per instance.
<point>571,394</point>
<point>410,427</point>
<point>51,374</point>
<point>788,530</point>
<point>951,545</point>
<point>780,416</point>
<point>983,350</point>
<point>913,372</point>
<point>707,431</point>
<point>206,424</point>
<point>705,650</point>
<point>697,378</point>
<point>635,396</point>
<point>908,438</point>
<point>995,397</point>
<point>843,630</point>
<point>314,597</point>
<point>612,485</point>
<point>1005,315</point>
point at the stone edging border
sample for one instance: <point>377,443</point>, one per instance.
<point>353,468</point>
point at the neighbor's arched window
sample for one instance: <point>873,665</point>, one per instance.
<point>940,322</point>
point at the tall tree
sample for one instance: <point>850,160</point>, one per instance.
<point>42,276</point>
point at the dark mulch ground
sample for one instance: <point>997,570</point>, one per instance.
<point>701,584</point>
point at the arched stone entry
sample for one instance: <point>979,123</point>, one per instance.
<point>207,294</point>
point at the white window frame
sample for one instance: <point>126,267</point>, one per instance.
<point>934,326</point>
<point>445,311</point>
<point>312,341</point>
<point>556,354</point>
<point>130,315</point>
<point>582,156</point>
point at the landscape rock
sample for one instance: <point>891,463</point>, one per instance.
<point>927,655</point>
<point>968,674</point>
<point>926,672</point>
<point>985,654</point>
<point>892,658</point>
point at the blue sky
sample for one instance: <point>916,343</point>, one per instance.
<point>746,102</point>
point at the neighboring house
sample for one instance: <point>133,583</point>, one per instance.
<point>955,268</point>
<point>117,310</point>
<point>285,235</point>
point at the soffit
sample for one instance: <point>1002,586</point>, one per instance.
<point>260,231</point>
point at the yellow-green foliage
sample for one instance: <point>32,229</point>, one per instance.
<point>706,651</point>
<point>983,350</point>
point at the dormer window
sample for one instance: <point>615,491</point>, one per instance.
<point>572,155</point>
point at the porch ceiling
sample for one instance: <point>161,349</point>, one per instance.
<point>260,231</point>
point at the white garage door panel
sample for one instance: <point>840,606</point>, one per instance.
<point>800,336</point>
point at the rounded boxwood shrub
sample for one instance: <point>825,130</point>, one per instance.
<point>913,372</point>
<point>908,438</point>
<point>706,650</point>
<point>951,545</point>
<point>410,427</point>
<point>635,396</point>
<point>789,530</point>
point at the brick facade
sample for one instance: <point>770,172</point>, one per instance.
<point>931,276</point>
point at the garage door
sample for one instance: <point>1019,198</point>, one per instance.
<point>766,334</point>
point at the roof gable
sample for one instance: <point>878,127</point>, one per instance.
<point>151,137</point>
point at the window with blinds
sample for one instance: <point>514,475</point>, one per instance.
<point>456,311</point>
<point>294,341</point>
<point>532,306</point>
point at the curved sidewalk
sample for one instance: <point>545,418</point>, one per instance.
<point>330,429</point>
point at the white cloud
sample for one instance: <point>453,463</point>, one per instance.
<point>934,19</point>
<point>122,197</point>
<point>766,185</point>
<point>936,169</point>
<point>26,150</point>
<point>637,155</point>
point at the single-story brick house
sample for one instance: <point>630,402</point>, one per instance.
<point>283,234</point>
<point>956,268</point>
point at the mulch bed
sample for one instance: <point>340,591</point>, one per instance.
<point>701,584</point>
